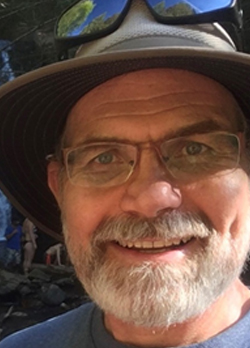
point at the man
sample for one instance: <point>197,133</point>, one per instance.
<point>13,235</point>
<point>151,174</point>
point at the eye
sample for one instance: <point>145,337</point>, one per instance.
<point>105,158</point>
<point>194,149</point>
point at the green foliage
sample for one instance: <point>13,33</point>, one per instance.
<point>160,7</point>
<point>74,17</point>
<point>99,23</point>
<point>179,10</point>
<point>18,17</point>
<point>26,35</point>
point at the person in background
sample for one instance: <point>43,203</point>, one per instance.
<point>13,235</point>
<point>53,254</point>
<point>30,245</point>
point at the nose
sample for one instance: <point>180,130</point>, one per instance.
<point>149,192</point>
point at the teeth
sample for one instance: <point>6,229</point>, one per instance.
<point>158,244</point>
<point>147,244</point>
<point>130,245</point>
<point>138,245</point>
<point>176,241</point>
<point>185,240</point>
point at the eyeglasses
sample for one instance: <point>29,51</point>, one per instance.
<point>186,159</point>
<point>87,20</point>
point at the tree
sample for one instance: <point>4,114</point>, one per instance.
<point>99,23</point>
<point>160,8</point>
<point>179,10</point>
<point>26,35</point>
<point>75,17</point>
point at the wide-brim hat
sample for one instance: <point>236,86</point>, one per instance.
<point>34,107</point>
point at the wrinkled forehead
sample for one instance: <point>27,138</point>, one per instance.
<point>152,92</point>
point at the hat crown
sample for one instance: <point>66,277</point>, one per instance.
<point>140,30</point>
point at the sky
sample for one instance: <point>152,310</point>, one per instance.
<point>202,5</point>
<point>111,7</point>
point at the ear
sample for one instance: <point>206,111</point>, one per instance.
<point>53,171</point>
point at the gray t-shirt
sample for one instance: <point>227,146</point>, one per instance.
<point>83,328</point>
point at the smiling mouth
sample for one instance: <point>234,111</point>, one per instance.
<point>155,246</point>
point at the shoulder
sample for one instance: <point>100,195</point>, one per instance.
<point>27,223</point>
<point>67,330</point>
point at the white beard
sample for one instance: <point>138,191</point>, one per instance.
<point>158,294</point>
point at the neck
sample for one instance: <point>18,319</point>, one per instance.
<point>213,321</point>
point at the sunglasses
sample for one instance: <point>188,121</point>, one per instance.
<point>87,20</point>
<point>185,159</point>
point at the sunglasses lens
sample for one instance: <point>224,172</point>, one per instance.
<point>184,8</point>
<point>90,17</point>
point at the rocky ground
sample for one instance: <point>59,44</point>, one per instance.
<point>47,291</point>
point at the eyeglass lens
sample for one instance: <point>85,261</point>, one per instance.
<point>101,164</point>
<point>190,158</point>
<point>185,158</point>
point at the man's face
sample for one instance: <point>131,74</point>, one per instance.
<point>155,251</point>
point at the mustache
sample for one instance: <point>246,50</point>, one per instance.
<point>175,224</point>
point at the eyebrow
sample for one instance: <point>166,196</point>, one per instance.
<point>202,127</point>
<point>205,126</point>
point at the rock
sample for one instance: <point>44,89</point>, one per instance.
<point>52,295</point>
<point>25,290</point>
<point>10,282</point>
<point>31,303</point>
<point>64,282</point>
<point>46,292</point>
<point>38,274</point>
<point>19,314</point>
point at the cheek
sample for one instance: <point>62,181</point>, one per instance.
<point>225,200</point>
<point>83,210</point>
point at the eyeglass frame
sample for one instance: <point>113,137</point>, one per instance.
<point>139,147</point>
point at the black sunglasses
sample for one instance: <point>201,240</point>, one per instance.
<point>88,20</point>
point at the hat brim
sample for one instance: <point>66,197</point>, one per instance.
<point>35,106</point>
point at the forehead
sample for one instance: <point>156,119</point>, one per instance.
<point>150,102</point>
